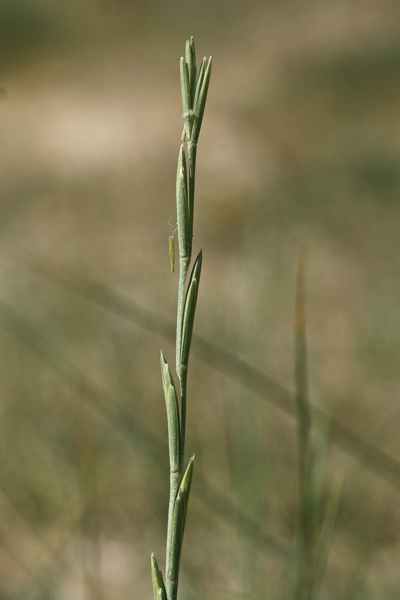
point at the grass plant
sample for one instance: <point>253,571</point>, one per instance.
<point>316,523</point>
<point>194,87</point>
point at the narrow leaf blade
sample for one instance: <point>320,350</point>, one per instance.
<point>171,403</point>
<point>182,205</point>
<point>199,107</point>
<point>178,523</point>
<point>190,310</point>
<point>158,582</point>
<point>192,69</point>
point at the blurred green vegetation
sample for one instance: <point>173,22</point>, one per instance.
<point>300,143</point>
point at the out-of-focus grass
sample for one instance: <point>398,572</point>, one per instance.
<point>301,144</point>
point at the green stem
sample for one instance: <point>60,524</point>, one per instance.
<point>171,583</point>
<point>192,152</point>
<point>181,369</point>
<point>171,587</point>
<point>175,480</point>
<point>184,263</point>
<point>182,375</point>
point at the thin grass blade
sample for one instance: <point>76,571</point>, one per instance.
<point>171,403</point>
<point>200,105</point>
<point>199,82</point>
<point>190,56</point>
<point>190,309</point>
<point>186,97</point>
<point>178,524</point>
<point>182,206</point>
<point>158,582</point>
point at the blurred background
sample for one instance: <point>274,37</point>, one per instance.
<point>300,144</point>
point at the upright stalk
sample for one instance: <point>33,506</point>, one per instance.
<point>316,523</point>
<point>307,518</point>
<point>194,94</point>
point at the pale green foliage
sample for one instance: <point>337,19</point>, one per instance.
<point>194,94</point>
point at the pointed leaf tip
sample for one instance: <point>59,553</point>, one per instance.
<point>158,582</point>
